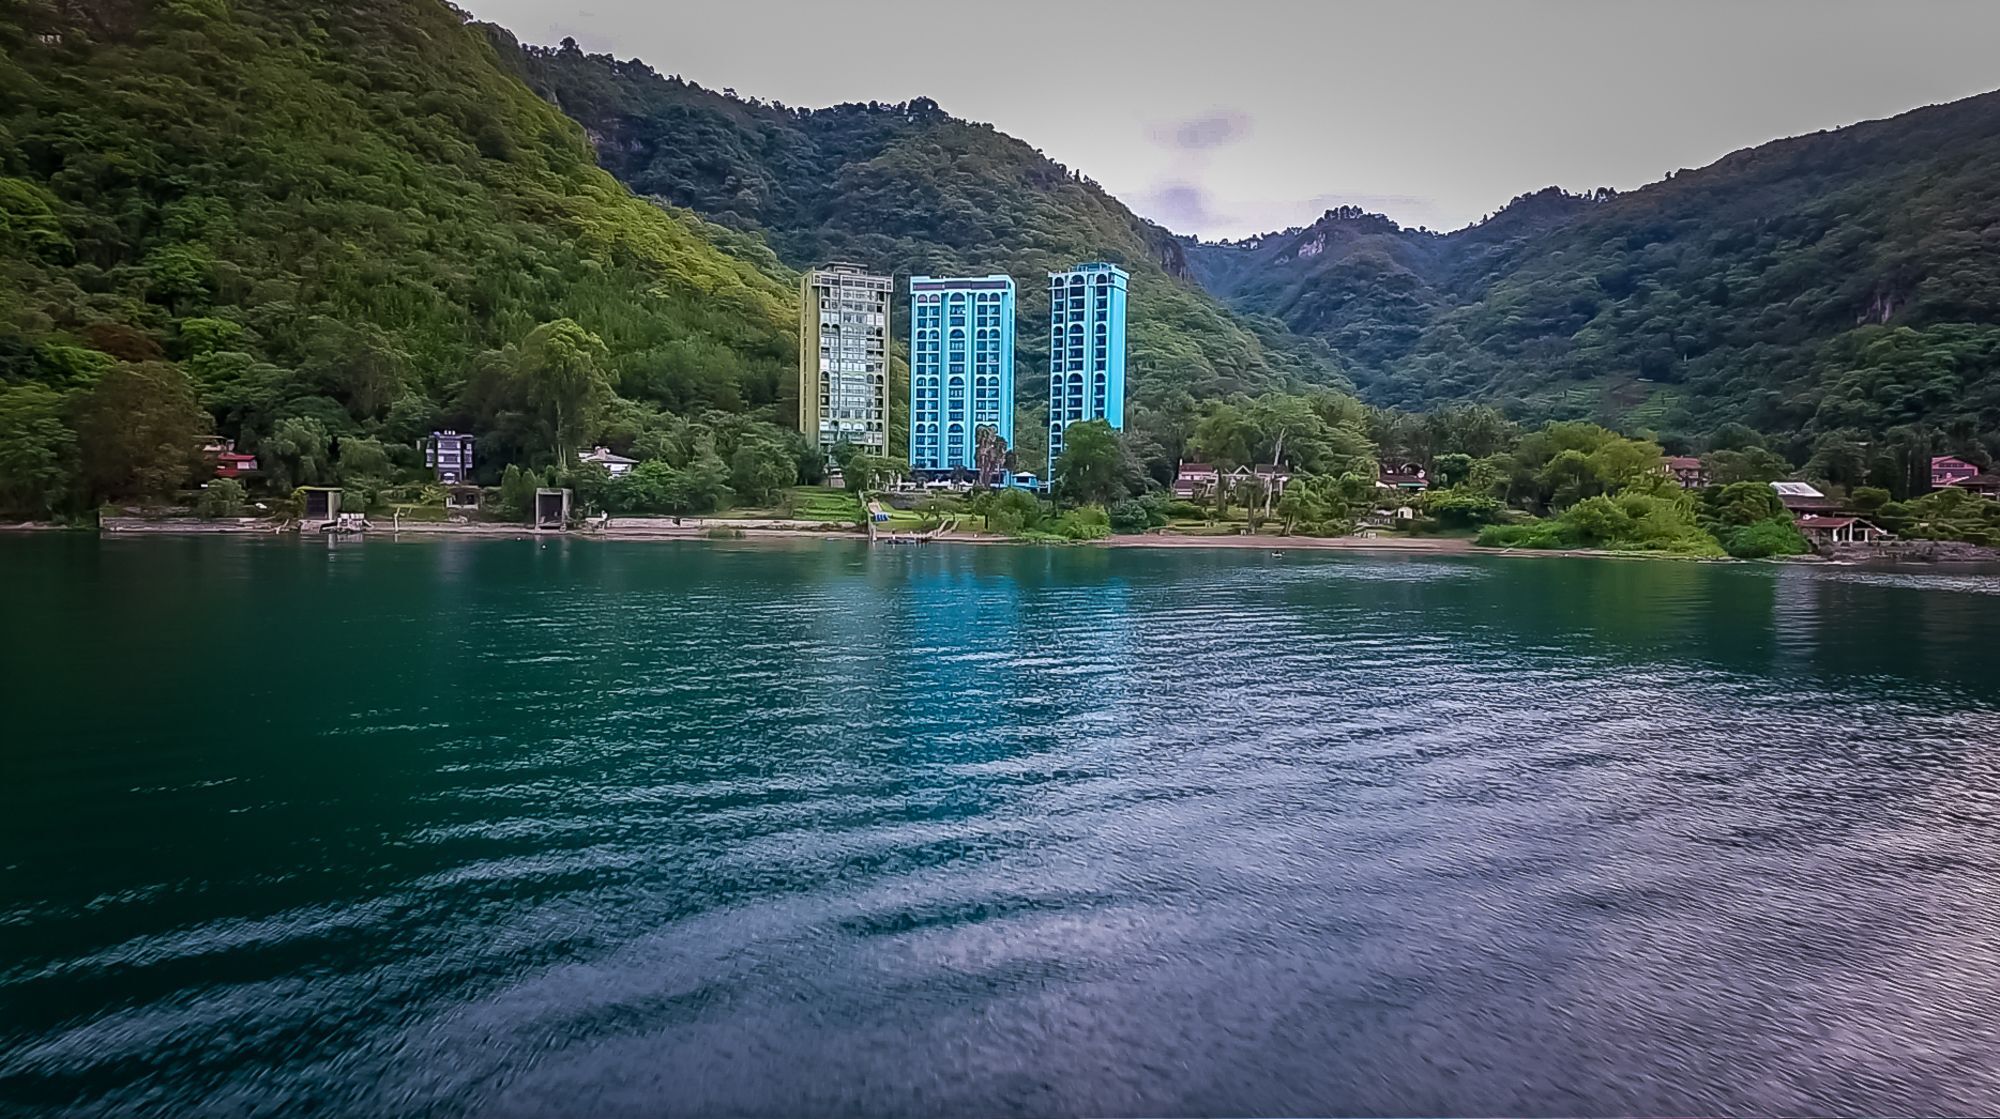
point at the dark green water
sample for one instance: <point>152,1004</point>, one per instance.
<point>492,828</point>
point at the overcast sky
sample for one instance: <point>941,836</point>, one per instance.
<point>1232,117</point>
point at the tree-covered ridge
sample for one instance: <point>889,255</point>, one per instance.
<point>342,213</point>
<point>1840,282</point>
<point>907,188</point>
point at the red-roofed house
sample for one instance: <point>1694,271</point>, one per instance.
<point>1986,485</point>
<point>228,463</point>
<point>1687,470</point>
<point>1406,476</point>
<point>1195,479</point>
<point>1947,470</point>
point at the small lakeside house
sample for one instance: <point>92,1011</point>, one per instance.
<point>1195,480</point>
<point>1406,476</point>
<point>1686,470</point>
<point>1801,499</point>
<point>318,506</point>
<point>1985,485</point>
<point>1950,470</point>
<point>552,508</point>
<point>614,464</point>
<point>227,462</point>
<point>233,464</point>
<point>450,454</point>
<point>1839,530</point>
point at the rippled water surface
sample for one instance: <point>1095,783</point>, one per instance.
<point>494,828</point>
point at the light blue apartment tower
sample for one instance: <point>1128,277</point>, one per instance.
<point>1086,349</point>
<point>961,367</point>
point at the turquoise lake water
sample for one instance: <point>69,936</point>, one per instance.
<point>499,828</point>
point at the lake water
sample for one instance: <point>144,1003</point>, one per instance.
<point>500,828</point>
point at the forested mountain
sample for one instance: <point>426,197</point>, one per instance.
<point>326,228</point>
<point>1842,281</point>
<point>349,215</point>
<point>907,188</point>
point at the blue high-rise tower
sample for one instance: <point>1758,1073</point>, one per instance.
<point>1086,349</point>
<point>961,368</point>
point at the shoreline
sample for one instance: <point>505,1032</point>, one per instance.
<point>704,531</point>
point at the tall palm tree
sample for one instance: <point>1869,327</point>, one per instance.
<point>989,454</point>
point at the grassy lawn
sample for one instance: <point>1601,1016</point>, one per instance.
<point>1204,528</point>
<point>813,503</point>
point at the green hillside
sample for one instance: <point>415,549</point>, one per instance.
<point>910,189</point>
<point>1843,281</point>
<point>344,213</point>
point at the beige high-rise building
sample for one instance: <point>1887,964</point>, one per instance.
<point>844,357</point>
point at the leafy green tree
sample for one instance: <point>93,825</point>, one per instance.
<point>1838,459</point>
<point>1598,521</point>
<point>1625,463</point>
<point>362,457</point>
<point>646,488</point>
<point>223,497</point>
<point>1743,503</point>
<point>297,453</point>
<point>1451,469</point>
<point>1750,521</point>
<point>1094,468</point>
<point>1734,437</point>
<point>356,363</point>
<point>1085,522</point>
<point>1490,476</point>
<point>140,429</point>
<point>1226,436</point>
<point>590,485</point>
<point>863,472</point>
<point>1302,506</point>
<point>702,486</point>
<point>1474,430</point>
<point>809,464</point>
<point>1568,478</point>
<point>562,367</point>
<point>844,453</point>
<point>1013,511</point>
<point>1249,493</point>
<point>1128,516</point>
<point>760,469</point>
<point>1869,499</point>
<point>1775,537</point>
<point>1753,465</point>
<point>38,454</point>
<point>517,493</point>
<point>1461,508</point>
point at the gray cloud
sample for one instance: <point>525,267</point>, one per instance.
<point>1204,133</point>
<point>1233,110</point>
<point>1180,206</point>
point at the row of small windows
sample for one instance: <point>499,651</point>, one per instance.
<point>933,297</point>
<point>989,379</point>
